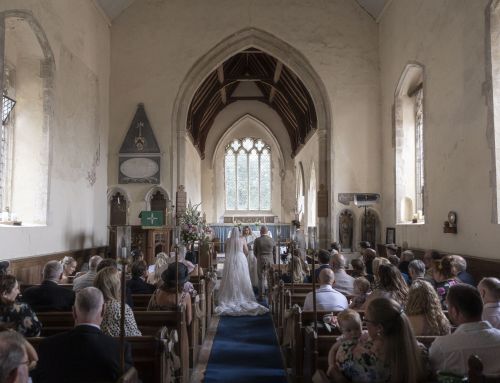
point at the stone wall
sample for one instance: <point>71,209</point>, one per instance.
<point>451,46</point>
<point>77,126</point>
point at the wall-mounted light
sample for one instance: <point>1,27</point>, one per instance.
<point>7,106</point>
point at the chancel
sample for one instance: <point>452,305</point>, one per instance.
<point>193,161</point>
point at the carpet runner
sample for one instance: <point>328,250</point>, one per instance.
<point>245,350</point>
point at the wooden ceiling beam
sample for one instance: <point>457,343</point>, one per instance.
<point>220,77</point>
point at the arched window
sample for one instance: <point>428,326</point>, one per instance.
<point>247,168</point>
<point>409,145</point>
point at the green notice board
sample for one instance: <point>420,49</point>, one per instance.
<point>151,218</point>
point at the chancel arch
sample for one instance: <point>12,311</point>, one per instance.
<point>27,70</point>
<point>282,58</point>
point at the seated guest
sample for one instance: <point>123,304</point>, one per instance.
<point>390,285</point>
<point>361,291</point>
<point>295,269</point>
<point>137,255</point>
<point>416,271</point>
<point>391,249</point>
<point>460,266</point>
<point>424,312</point>
<point>164,298</point>
<point>444,276</point>
<point>430,257</point>
<point>473,336</point>
<point>4,266</point>
<point>390,353</point>
<point>489,289</point>
<point>110,262</point>
<point>375,266</point>
<point>324,258</point>
<point>335,246</point>
<point>14,361</point>
<point>108,281</point>
<point>83,354</point>
<point>14,314</point>
<point>69,267</point>
<point>137,284</point>
<point>406,257</point>
<point>161,264</point>
<point>190,257</point>
<point>49,296</point>
<point>87,279</point>
<point>358,268</point>
<point>343,281</point>
<point>393,259</point>
<point>368,255</point>
<point>327,298</point>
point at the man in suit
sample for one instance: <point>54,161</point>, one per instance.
<point>263,250</point>
<point>137,284</point>
<point>85,353</point>
<point>49,296</point>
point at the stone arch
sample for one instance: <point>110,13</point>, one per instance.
<point>117,189</point>
<point>346,228</point>
<point>290,56</point>
<point>151,192</point>
<point>374,227</point>
<point>112,192</point>
<point>47,74</point>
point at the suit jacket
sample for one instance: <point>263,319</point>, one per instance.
<point>264,248</point>
<point>83,354</point>
<point>49,296</point>
<point>139,286</point>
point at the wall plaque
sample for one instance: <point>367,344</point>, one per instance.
<point>139,157</point>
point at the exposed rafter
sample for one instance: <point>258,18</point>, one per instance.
<point>274,84</point>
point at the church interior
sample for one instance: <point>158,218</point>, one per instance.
<point>146,126</point>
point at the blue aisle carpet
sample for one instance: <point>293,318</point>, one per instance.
<point>245,350</point>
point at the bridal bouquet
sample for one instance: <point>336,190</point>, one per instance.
<point>193,225</point>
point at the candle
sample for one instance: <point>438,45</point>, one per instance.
<point>124,252</point>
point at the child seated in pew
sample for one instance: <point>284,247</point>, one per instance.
<point>350,326</point>
<point>361,291</point>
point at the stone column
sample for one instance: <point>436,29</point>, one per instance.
<point>181,158</point>
<point>2,51</point>
<point>323,193</point>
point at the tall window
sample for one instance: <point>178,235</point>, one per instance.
<point>247,168</point>
<point>419,150</point>
<point>408,141</point>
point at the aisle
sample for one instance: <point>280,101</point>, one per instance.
<point>245,349</point>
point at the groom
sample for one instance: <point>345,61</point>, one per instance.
<point>263,250</point>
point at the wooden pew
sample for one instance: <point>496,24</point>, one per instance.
<point>150,355</point>
<point>149,322</point>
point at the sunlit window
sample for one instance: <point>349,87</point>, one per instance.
<point>248,175</point>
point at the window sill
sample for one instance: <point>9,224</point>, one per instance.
<point>3,225</point>
<point>421,223</point>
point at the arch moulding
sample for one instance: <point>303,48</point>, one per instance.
<point>291,57</point>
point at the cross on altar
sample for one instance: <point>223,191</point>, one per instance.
<point>152,219</point>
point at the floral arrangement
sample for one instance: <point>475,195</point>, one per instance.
<point>193,225</point>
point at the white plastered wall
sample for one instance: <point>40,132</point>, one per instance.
<point>78,36</point>
<point>154,45</point>
<point>451,45</point>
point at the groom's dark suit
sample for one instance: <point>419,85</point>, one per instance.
<point>263,250</point>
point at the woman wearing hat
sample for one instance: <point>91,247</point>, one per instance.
<point>164,298</point>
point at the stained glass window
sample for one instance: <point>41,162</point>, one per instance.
<point>248,175</point>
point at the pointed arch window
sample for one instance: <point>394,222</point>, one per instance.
<point>247,168</point>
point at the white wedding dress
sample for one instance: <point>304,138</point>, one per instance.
<point>236,297</point>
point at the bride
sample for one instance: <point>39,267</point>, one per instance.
<point>236,295</point>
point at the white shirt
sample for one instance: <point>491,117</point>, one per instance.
<point>344,282</point>
<point>450,353</point>
<point>327,299</point>
<point>491,313</point>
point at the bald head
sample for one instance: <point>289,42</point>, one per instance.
<point>94,262</point>
<point>326,277</point>
<point>338,261</point>
<point>89,306</point>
